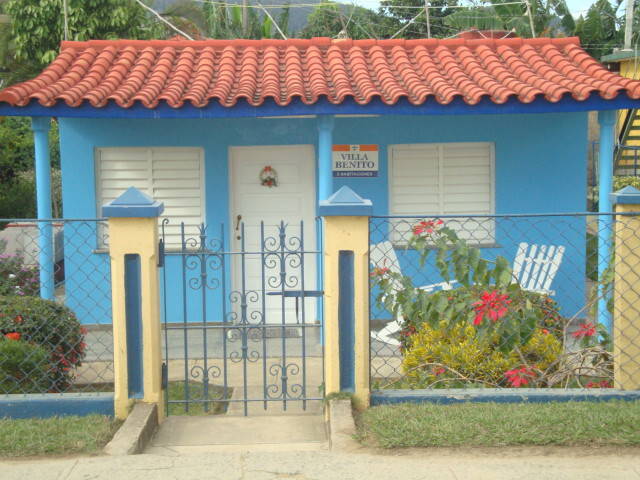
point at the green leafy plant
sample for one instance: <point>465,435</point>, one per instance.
<point>487,298</point>
<point>51,326</point>
<point>24,366</point>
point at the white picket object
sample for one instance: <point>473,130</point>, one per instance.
<point>535,266</point>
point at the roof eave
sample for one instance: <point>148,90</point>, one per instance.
<point>323,107</point>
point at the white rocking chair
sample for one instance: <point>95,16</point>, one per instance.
<point>534,268</point>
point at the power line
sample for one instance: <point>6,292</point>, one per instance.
<point>164,20</point>
<point>323,4</point>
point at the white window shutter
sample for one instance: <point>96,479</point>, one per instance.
<point>174,176</point>
<point>443,179</point>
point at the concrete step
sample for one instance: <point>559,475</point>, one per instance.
<point>229,433</point>
<point>293,407</point>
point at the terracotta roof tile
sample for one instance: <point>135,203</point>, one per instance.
<point>179,71</point>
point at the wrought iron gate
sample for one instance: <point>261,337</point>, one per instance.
<point>242,319</point>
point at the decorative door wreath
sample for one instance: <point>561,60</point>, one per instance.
<point>268,177</point>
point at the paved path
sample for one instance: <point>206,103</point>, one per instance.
<point>324,465</point>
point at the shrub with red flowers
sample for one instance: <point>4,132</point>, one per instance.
<point>24,366</point>
<point>50,326</point>
<point>505,335</point>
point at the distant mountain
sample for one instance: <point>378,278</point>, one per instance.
<point>297,16</point>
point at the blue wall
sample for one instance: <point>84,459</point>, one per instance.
<point>540,159</point>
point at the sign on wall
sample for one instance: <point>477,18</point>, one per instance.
<point>355,160</point>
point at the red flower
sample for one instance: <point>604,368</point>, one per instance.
<point>18,319</point>
<point>492,305</point>
<point>519,376</point>
<point>545,331</point>
<point>13,336</point>
<point>601,384</point>
<point>585,330</point>
<point>439,371</point>
<point>379,271</point>
<point>426,226</point>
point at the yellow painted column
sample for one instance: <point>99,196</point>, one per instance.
<point>133,230</point>
<point>626,298</point>
<point>346,229</point>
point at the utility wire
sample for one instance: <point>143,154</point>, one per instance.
<point>266,12</point>
<point>323,4</point>
<point>164,20</point>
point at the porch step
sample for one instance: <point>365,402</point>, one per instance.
<point>223,433</point>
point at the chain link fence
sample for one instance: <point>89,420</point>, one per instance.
<point>64,344</point>
<point>503,301</point>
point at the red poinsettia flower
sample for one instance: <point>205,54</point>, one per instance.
<point>586,330</point>
<point>491,305</point>
<point>519,376</point>
<point>601,384</point>
<point>379,271</point>
<point>426,226</point>
<point>13,336</point>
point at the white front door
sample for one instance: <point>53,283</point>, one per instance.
<point>292,201</point>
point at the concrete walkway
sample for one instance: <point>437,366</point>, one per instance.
<point>521,464</point>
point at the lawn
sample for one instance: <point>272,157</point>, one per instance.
<point>492,424</point>
<point>215,401</point>
<point>56,435</point>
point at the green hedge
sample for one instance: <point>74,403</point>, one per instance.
<point>51,326</point>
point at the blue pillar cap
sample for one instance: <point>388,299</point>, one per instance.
<point>345,202</point>
<point>626,196</point>
<point>133,204</point>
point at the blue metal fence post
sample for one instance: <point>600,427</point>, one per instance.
<point>41,127</point>
<point>325,145</point>
<point>607,120</point>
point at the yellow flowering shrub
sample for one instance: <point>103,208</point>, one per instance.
<point>458,355</point>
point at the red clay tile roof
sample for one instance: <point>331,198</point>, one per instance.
<point>227,71</point>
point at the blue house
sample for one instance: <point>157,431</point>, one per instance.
<point>238,132</point>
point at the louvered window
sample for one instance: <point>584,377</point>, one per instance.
<point>174,176</point>
<point>444,179</point>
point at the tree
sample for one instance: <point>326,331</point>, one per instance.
<point>38,25</point>
<point>550,19</point>
<point>404,11</point>
<point>598,30</point>
<point>330,19</point>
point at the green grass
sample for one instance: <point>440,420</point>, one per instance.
<point>176,391</point>
<point>492,424</point>
<point>56,435</point>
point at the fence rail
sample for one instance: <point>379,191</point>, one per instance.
<point>64,342</point>
<point>499,300</point>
